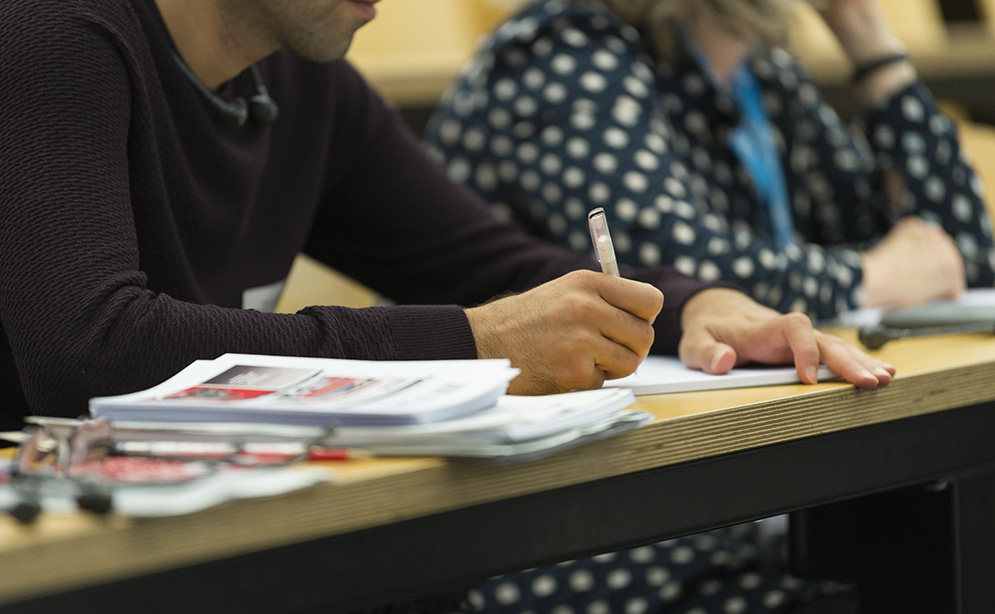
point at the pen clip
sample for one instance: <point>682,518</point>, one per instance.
<point>604,251</point>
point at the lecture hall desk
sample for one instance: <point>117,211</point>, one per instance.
<point>892,489</point>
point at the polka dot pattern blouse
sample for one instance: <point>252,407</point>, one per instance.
<point>718,572</point>
<point>564,110</point>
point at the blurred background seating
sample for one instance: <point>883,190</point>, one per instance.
<point>415,48</point>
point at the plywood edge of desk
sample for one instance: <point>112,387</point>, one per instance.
<point>79,551</point>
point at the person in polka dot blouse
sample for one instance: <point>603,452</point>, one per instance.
<point>635,105</point>
<point>572,105</point>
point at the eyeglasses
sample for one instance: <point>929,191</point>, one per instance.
<point>59,448</point>
<point>48,463</point>
<point>85,460</point>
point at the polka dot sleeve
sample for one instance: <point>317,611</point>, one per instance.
<point>909,134</point>
<point>563,113</point>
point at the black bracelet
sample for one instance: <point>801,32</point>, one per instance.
<point>864,70</point>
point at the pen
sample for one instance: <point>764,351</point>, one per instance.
<point>603,248</point>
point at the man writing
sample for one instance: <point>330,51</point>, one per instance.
<point>138,220</point>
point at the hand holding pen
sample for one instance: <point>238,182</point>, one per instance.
<point>571,333</point>
<point>604,249</point>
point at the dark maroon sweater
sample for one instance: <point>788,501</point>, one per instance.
<point>132,222</point>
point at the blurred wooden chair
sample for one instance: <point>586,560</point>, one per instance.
<point>414,48</point>
<point>919,23</point>
<point>987,10</point>
<point>312,283</point>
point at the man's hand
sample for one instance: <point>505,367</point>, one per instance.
<point>915,263</point>
<point>724,328</point>
<point>570,333</point>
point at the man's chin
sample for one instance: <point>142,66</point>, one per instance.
<point>323,54</point>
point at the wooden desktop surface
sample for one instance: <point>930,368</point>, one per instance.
<point>60,552</point>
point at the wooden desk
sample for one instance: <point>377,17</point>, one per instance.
<point>394,528</point>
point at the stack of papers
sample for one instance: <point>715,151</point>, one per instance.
<point>451,408</point>
<point>315,392</point>
<point>515,426</point>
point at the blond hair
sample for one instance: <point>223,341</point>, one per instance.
<point>766,21</point>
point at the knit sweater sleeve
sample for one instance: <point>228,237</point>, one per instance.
<point>79,192</point>
<point>80,315</point>
<point>69,266</point>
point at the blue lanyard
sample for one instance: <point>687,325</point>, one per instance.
<point>753,144</point>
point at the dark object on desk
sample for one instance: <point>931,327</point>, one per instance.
<point>945,318</point>
<point>25,512</point>
<point>98,501</point>
<point>873,337</point>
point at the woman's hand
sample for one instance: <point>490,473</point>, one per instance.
<point>724,328</point>
<point>916,262</point>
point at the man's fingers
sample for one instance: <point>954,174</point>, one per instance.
<point>532,383</point>
<point>635,297</point>
<point>622,335</point>
<point>629,332</point>
<point>617,361</point>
